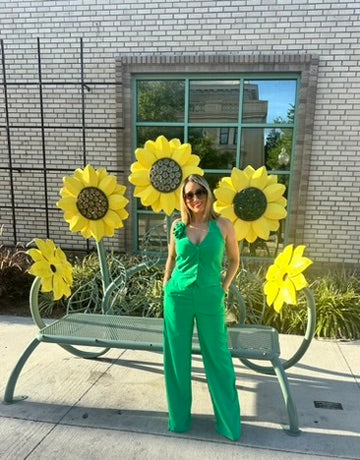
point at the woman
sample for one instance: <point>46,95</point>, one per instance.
<point>194,291</point>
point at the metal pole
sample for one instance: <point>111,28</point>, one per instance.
<point>83,127</point>
<point>43,140</point>
<point>8,142</point>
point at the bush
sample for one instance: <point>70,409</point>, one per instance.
<point>14,279</point>
<point>337,294</point>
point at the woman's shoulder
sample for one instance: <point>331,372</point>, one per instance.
<point>178,228</point>
<point>225,225</point>
<point>223,222</point>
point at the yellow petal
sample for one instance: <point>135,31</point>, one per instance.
<point>112,219</point>
<point>67,204</point>
<point>242,228</point>
<point>156,206</point>
<point>259,178</point>
<point>249,171</point>
<point>117,201</point>
<point>140,177</point>
<point>229,213</point>
<point>41,269</point>
<point>271,290</point>
<point>193,160</point>
<point>275,211</point>
<point>121,189</point>
<point>167,202</point>
<point>298,265</point>
<point>299,281</point>
<point>283,259</point>
<point>108,184</point>
<point>150,146</point>
<point>274,225</point>
<point>89,176</point>
<point>188,170</point>
<point>149,195</point>
<point>239,179</point>
<point>122,213</point>
<point>288,291</point>
<point>251,234</point>
<point>35,254</point>
<point>96,228</point>
<point>224,194</point>
<point>47,284</point>
<point>72,185</point>
<point>101,173</point>
<point>261,228</point>
<point>175,143</point>
<point>182,154</point>
<point>77,222</point>
<point>279,301</point>
<point>47,247</point>
<point>227,182</point>
<point>274,273</point>
<point>58,287</point>
<point>274,191</point>
<point>271,179</point>
<point>163,149</point>
<point>145,157</point>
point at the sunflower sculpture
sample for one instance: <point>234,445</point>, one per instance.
<point>159,171</point>
<point>284,278</point>
<point>93,203</point>
<point>52,267</point>
<point>253,201</point>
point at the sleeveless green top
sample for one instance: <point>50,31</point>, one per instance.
<point>198,263</point>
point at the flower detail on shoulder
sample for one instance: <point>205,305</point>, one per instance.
<point>179,230</point>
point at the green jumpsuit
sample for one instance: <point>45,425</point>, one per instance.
<point>194,291</point>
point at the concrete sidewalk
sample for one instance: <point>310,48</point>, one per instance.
<point>114,407</point>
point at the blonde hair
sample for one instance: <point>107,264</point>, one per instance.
<point>209,213</point>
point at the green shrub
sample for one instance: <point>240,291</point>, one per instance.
<point>14,279</point>
<point>337,294</point>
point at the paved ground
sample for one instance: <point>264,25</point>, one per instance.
<point>115,408</point>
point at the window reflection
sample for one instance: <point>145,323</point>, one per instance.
<point>206,142</point>
<point>145,133</point>
<point>269,101</point>
<point>214,101</point>
<point>161,100</point>
<point>269,147</point>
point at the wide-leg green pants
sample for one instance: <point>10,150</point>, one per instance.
<point>205,306</point>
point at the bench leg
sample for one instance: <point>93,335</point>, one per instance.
<point>293,428</point>
<point>10,387</point>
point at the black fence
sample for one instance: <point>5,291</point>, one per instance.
<point>11,207</point>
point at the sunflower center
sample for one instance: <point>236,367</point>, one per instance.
<point>53,268</point>
<point>92,203</point>
<point>165,175</point>
<point>250,204</point>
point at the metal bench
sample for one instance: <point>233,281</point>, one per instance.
<point>105,331</point>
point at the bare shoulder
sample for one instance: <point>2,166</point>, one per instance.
<point>176,221</point>
<point>225,225</point>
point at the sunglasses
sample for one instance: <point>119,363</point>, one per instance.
<point>200,194</point>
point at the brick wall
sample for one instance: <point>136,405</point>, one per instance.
<point>328,28</point>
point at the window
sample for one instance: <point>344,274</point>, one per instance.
<point>229,122</point>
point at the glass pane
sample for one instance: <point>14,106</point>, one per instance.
<point>214,101</point>
<point>214,178</point>
<point>269,101</point>
<point>145,133</point>
<point>152,233</point>
<point>269,147</point>
<point>206,142</point>
<point>160,100</point>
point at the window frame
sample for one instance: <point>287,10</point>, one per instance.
<point>304,68</point>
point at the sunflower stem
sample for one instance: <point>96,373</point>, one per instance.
<point>103,265</point>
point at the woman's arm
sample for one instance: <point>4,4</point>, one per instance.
<point>232,252</point>
<point>170,261</point>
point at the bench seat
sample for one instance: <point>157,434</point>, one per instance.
<point>245,341</point>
